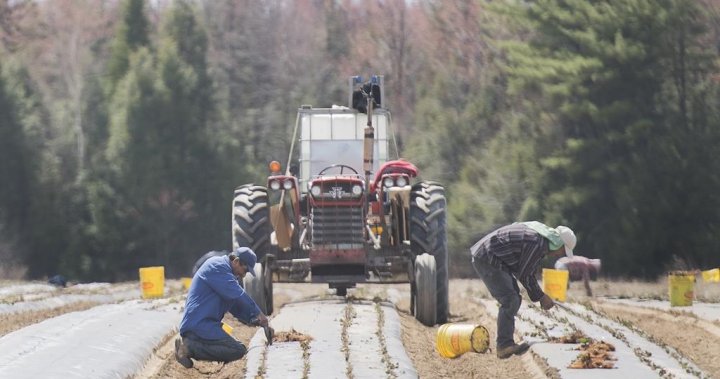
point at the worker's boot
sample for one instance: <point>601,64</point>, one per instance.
<point>508,351</point>
<point>182,355</point>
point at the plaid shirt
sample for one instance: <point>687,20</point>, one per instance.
<point>516,249</point>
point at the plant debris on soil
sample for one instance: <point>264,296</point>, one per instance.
<point>291,336</point>
<point>594,355</point>
<point>574,337</point>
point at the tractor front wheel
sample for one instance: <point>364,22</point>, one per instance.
<point>425,283</point>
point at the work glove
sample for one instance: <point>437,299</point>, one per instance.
<point>259,320</point>
<point>262,321</point>
<point>269,334</point>
<point>546,302</point>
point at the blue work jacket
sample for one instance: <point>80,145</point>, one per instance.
<point>213,292</point>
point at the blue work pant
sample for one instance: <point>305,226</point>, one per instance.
<point>504,288</point>
<point>227,349</point>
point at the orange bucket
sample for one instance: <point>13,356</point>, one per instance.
<point>453,340</point>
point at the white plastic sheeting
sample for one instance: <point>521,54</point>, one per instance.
<point>107,341</point>
<point>24,289</point>
<point>392,330</point>
<point>62,300</point>
<point>17,298</point>
<point>322,320</point>
<point>707,311</point>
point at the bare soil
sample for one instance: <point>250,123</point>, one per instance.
<point>419,342</point>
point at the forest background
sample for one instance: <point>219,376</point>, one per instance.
<point>126,125</point>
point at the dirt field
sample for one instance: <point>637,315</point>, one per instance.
<point>696,339</point>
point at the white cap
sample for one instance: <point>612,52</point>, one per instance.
<point>568,237</point>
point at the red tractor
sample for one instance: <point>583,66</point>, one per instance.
<point>345,217</point>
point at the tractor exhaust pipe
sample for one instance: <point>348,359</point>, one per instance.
<point>369,142</point>
<point>368,156</point>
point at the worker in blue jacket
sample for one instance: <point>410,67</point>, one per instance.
<point>215,290</point>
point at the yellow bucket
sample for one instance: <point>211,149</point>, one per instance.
<point>682,288</point>
<point>711,275</point>
<point>555,283</point>
<point>227,328</point>
<point>453,340</point>
<point>186,283</point>
<point>152,281</point>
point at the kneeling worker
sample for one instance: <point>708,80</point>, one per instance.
<point>215,290</point>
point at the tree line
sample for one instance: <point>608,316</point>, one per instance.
<point>125,125</point>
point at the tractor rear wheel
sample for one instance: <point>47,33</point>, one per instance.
<point>425,284</point>
<point>251,228</point>
<point>251,219</point>
<point>256,287</point>
<point>268,287</point>
<point>427,235</point>
<point>206,256</point>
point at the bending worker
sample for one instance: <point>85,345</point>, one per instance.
<point>580,268</point>
<point>215,290</point>
<point>513,252</point>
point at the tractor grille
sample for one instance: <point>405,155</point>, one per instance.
<point>337,225</point>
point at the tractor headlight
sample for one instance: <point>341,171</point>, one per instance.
<point>315,191</point>
<point>357,190</point>
<point>288,184</point>
<point>388,182</point>
<point>401,181</point>
<point>275,185</point>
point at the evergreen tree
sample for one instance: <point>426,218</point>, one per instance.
<point>38,210</point>
<point>593,75</point>
<point>169,189</point>
<point>104,241</point>
<point>133,33</point>
<point>184,71</point>
<point>16,169</point>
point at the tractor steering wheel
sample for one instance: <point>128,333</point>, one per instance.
<point>342,167</point>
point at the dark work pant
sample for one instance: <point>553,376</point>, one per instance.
<point>227,349</point>
<point>504,288</point>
